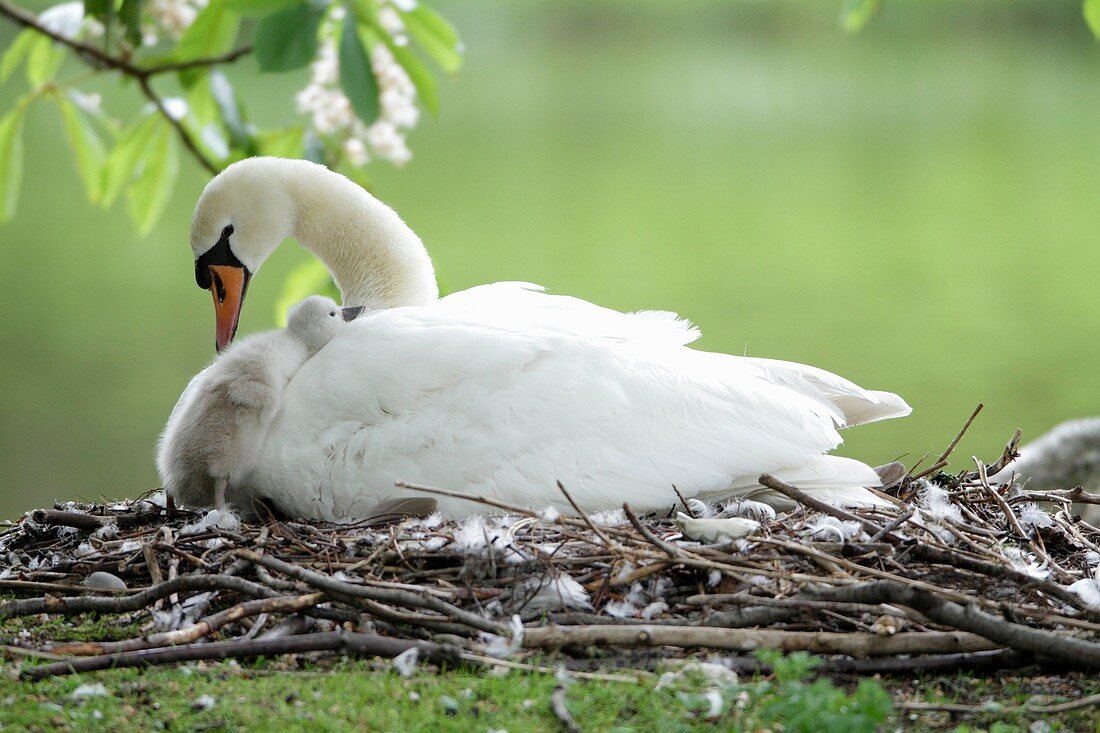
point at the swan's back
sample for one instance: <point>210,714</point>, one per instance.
<point>502,390</point>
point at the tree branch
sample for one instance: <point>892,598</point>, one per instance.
<point>100,59</point>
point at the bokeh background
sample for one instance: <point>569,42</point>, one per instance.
<point>914,207</point>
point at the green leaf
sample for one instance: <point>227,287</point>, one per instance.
<point>436,36</point>
<point>309,278</point>
<point>418,73</point>
<point>288,40</point>
<point>130,15</point>
<point>356,76</point>
<point>43,61</point>
<point>212,34</point>
<point>197,94</point>
<point>11,160</point>
<point>855,14</point>
<point>125,156</point>
<point>86,145</point>
<point>285,143</point>
<point>1091,10</point>
<point>256,8</point>
<point>101,10</point>
<point>149,194</point>
<point>231,111</point>
<point>15,54</point>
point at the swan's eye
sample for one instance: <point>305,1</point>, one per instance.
<point>227,231</point>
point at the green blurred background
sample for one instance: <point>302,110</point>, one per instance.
<point>914,207</point>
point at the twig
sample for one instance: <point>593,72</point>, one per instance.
<point>383,595</point>
<point>948,707</point>
<point>343,641</point>
<point>208,625</point>
<point>802,497</point>
<point>943,459</point>
<point>100,59</point>
<point>669,549</point>
<point>77,604</point>
<point>614,546</point>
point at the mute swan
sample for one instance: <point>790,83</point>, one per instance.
<point>214,432</point>
<point>502,390</point>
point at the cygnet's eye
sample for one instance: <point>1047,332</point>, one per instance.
<point>332,313</point>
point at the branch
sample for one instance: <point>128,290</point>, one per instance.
<point>99,604</point>
<point>856,644</point>
<point>1068,650</point>
<point>343,641</point>
<point>101,60</point>
<point>188,142</point>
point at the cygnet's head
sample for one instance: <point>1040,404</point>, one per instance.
<point>316,320</point>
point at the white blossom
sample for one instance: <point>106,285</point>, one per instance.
<point>332,115</point>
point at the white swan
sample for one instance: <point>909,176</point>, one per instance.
<point>215,431</point>
<point>502,390</point>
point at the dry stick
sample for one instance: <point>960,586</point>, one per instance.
<point>1010,516</point>
<point>1067,650</point>
<point>668,548</point>
<point>597,676</point>
<point>77,604</point>
<point>924,551</point>
<point>383,595</point>
<point>1076,495</point>
<point>614,546</point>
<point>561,712</point>
<point>1061,707</point>
<point>1010,453</point>
<point>79,520</point>
<point>29,586</point>
<point>346,642</point>
<point>942,460</point>
<point>855,644</point>
<point>204,627</point>
<point>1014,522</point>
<point>814,503</point>
<point>889,528</point>
<point>683,501</point>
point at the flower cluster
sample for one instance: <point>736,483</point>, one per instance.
<point>170,17</point>
<point>331,112</point>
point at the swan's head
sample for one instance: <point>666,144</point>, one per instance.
<point>244,213</point>
<point>316,320</point>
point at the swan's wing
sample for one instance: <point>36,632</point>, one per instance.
<point>520,306</point>
<point>445,396</point>
<point>853,404</point>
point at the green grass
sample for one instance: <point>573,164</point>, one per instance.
<point>365,696</point>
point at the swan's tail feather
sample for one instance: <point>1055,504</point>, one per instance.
<point>872,407</point>
<point>833,479</point>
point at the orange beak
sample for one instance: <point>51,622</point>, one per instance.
<point>227,284</point>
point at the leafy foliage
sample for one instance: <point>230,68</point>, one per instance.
<point>175,51</point>
<point>818,706</point>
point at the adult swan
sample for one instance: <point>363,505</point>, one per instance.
<point>502,390</point>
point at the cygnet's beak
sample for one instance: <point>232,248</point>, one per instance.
<point>228,284</point>
<point>352,312</point>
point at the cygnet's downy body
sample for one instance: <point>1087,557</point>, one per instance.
<point>215,431</point>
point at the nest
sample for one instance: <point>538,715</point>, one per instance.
<point>964,573</point>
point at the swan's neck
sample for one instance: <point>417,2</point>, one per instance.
<point>376,260</point>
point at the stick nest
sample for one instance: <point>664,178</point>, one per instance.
<point>963,573</point>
